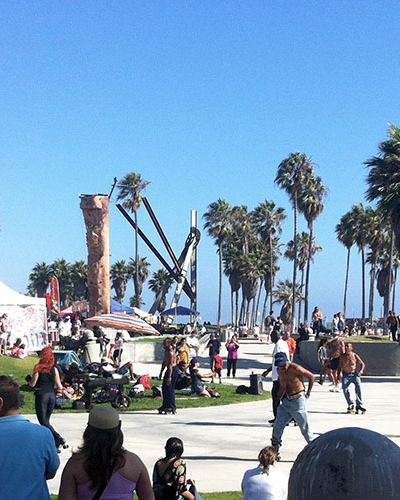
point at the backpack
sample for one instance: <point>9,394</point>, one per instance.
<point>145,381</point>
<point>157,391</point>
<point>137,391</point>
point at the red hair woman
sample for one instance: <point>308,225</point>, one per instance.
<point>45,377</point>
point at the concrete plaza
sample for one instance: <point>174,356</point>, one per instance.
<point>222,442</point>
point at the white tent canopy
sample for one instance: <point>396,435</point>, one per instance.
<point>9,297</point>
<point>27,317</point>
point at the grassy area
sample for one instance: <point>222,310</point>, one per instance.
<point>19,368</point>
<point>368,338</point>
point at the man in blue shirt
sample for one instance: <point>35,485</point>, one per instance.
<point>28,454</point>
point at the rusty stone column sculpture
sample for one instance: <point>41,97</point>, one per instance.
<point>95,214</point>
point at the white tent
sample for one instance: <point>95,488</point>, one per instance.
<point>27,317</point>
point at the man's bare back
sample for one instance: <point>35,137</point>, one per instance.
<point>335,348</point>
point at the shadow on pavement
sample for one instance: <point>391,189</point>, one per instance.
<point>223,424</point>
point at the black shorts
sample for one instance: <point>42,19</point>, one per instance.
<point>218,371</point>
<point>334,363</point>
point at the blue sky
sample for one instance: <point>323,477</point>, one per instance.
<point>204,99</point>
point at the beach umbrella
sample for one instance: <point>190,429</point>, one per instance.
<point>180,311</point>
<point>121,321</point>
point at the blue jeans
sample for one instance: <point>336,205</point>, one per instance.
<point>288,409</point>
<point>352,378</point>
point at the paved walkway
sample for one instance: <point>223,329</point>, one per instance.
<point>222,442</point>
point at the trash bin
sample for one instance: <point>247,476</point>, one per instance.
<point>256,386</point>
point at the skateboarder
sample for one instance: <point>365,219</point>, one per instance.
<point>351,375</point>
<point>170,378</point>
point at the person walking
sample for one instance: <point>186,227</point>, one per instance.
<point>232,347</point>
<point>280,346</point>
<point>294,397</point>
<point>45,377</point>
<point>349,363</point>
<point>393,325</point>
<point>214,345</point>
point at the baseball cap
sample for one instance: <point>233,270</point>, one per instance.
<point>280,359</point>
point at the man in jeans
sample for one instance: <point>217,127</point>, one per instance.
<point>351,375</point>
<point>294,398</point>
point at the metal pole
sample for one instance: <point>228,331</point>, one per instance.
<point>193,267</point>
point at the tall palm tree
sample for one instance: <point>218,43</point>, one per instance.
<point>119,274</point>
<point>268,222</point>
<point>130,191</point>
<point>291,176</point>
<point>231,260</point>
<point>39,278</point>
<point>140,266</point>
<point>79,274</point>
<point>217,224</point>
<point>157,283</point>
<point>311,204</point>
<point>377,238</point>
<point>384,188</point>
<point>345,233</point>
<point>305,254</point>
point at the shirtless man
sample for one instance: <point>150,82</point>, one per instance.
<point>294,398</point>
<point>335,349</point>
<point>351,375</point>
<point>170,378</point>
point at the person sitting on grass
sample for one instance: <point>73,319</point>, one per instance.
<point>265,482</point>
<point>183,381</point>
<point>15,347</point>
<point>169,474</point>
<point>197,385</point>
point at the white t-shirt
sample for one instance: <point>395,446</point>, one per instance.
<point>193,344</point>
<point>280,346</point>
<point>257,485</point>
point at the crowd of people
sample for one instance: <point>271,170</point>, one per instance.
<point>101,467</point>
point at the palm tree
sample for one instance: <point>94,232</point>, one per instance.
<point>130,189</point>
<point>384,187</point>
<point>376,239</point>
<point>217,224</point>
<point>345,233</point>
<point>311,205</point>
<point>268,221</point>
<point>305,254</point>
<point>140,266</point>
<point>79,274</point>
<point>136,301</point>
<point>39,279</point>
<point>157,285</point>
<point>283,295</point>
<point>231,259</point>
<point>119,274</point>
<point>61,269</point>
<point>291,176</point>
<point>359,216</point>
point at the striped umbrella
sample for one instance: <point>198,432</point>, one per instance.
<point>122,321</point>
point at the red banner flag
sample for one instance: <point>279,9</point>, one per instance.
<point>54,295</point>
